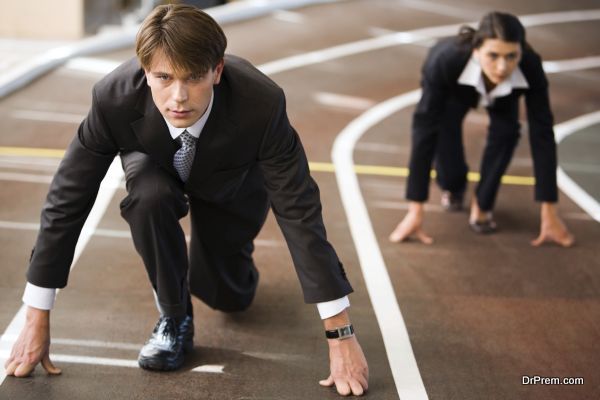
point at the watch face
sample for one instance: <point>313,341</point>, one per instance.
<point>345,331</point>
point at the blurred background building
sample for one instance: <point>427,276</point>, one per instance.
<point>73,19</point>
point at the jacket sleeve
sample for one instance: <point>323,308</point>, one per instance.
<point>295,202</point>
<point>541,131</point>
<point>426,126</point>
<point>70,198</point>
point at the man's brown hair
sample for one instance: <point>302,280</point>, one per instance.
<point>190,39</point>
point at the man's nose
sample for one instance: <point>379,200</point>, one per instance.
<point>180,92</point>
<point>502,65</point>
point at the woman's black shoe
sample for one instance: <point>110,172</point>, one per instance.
<point>483,227</point>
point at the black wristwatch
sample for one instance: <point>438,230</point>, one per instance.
<point>343,332</point>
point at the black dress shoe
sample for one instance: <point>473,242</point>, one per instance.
<point>186,333</point>
<point>452,201</point>
<point>164,351</point>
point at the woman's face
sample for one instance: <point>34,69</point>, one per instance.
<point>498,59</point>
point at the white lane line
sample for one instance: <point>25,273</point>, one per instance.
<point>343,101</point>
<point>47,116</point>
<point>441,9</point>
<point>242,10</point>
<point>108,187</point>
<point>30,226</point>
<point>403,205</point>
<point>113,362</point>
<point>379,286</point>
<point>29,103</point>
<point>20,177</point>
<point>33,163</point>
<point>560,17</point>
<point>27,226</point>
<point>277,356</point>
<point>566,184</point>
<point>413,36</point>
<point>84,343</point>
<point>211,369</point>
<point>289,16</point>
<point>573,64</point>
<point>91,64</point>
<point>136,347</point>
<point>378,31</point>
<point>115,233</point>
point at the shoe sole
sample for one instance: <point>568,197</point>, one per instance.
<point>188,346</point>
<point>152,365</point>
<point>483,228</point>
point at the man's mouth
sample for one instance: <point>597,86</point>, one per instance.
<point>180,113</point>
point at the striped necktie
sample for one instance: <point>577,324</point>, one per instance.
<point>184,157</point>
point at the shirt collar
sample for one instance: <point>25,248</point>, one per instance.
<point>472,75</point>
<point>196,129</point>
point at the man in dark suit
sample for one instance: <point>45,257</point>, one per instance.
<point>202,132</point>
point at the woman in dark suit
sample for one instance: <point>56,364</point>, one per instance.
<point>490,67</point>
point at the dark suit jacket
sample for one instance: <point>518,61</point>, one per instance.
<point>247,137</point>
<point>443,66</point>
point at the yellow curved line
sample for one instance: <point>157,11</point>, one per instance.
<point>31,152</point>
<point>378,170</point>
<point>403,172</point>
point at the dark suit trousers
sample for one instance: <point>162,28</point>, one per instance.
<point>503,136</point>
<point>219,269</point>
<point>450,165</point>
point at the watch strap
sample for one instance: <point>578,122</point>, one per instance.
<point>342,332</point>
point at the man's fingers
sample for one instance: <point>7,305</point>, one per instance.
<point>423,237</point>
<point>363,380</point>
<point>327,382</point>
<point>24,369</point>
<point>357,388</point>
<point>343,388</point>
<point>10,367</point>
<point>49,367</point>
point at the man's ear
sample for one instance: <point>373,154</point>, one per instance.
<point>218,71</point>
<point>147,74</point>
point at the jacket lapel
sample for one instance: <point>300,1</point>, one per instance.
<point>153,133</point>
<point>215,138</point>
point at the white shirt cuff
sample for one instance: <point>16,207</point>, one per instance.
<point>333,307</point>
<point>39,297</point>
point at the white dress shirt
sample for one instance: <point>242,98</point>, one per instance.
<point>472,75</point>
<point>43,298</point>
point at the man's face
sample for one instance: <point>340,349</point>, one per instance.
<point>498,59</point>
<point>180,98</point>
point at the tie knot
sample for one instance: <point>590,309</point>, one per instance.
<point>186,139</point>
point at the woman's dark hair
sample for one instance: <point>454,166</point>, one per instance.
<point>495,25</point>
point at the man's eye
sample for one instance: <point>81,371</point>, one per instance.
<point>511,57</point>
<point>493,56</point>
<point>195,77</point>
<point>163,77</point>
